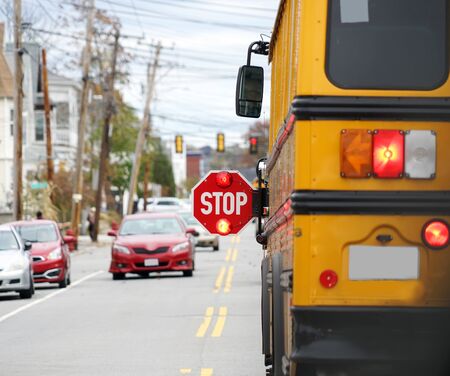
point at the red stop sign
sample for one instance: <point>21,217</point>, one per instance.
<point>223,202</point>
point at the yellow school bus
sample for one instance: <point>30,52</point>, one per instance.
<point>356,268</point>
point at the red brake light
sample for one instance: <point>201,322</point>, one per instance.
<point>224,179</point>
<point>388,153</point>
<point>328,279</point>
<point>223,226</point>
<point>435,234</point>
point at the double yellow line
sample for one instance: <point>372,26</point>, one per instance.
<point>220,323</point>
<point>221,280</point>
<point>203,372</point>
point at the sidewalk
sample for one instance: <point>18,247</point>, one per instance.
<point>85,241</point>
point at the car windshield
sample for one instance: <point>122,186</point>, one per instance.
<point>8,241</point>
<point>189,219</point>
<point>38,233</point>
<point>150,226</point>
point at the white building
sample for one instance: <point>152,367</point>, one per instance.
<point>6,132</point>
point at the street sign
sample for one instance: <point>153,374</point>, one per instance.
<point>223,202</point>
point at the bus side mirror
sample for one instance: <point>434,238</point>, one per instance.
<point>249,91</point>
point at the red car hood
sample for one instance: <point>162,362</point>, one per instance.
<point>151,241</point>
<point>42,249</point>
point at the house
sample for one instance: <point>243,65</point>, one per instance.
<point>6,130</point>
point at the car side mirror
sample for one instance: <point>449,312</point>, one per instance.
<point>249,91</point>
<point>112,233</point>
<point>192,231</point>
<point>27,246</point>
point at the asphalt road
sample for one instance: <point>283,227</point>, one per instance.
<point>164,325</point>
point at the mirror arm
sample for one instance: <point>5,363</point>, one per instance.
<point>258,48</point>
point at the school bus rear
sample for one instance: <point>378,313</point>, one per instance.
<point>356,272</point>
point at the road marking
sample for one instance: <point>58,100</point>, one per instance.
<point>228,257</point>
<point>49,296</point>
<point>218,329</point>
<point>206,322</point>
<point>185,371</point>
<point>219,280</point>
<point>238,239</point>
<point>235,252</point>
<point>229,279</point>
<point>206,372</point>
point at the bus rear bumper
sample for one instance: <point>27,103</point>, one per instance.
<point>349,335</point>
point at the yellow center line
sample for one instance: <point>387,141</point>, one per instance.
<point>229,279</point>
<point>235,253</point>
<point>206,322</point>
<point>218,329</point>
<point>219,280</point>
<point>238,239</point>
<point>185,371</point>
<point>228,257</point>
<point>206,372</point>
<point>233,239</point>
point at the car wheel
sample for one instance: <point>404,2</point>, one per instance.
<point>27,294</point>
<point>69,281</point>
<point>216,248</point>
<point>63,284</point>
<point>188,273</point>
<point>118,276</point>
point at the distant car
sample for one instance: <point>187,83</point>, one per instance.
<point>49,252</point>
<point>165,204</point>
<point>16,272</point>
<point>152,242</point>
<point>205,238</point>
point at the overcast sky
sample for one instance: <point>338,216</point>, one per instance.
<point>204,43</point>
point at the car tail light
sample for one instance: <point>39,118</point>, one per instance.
<point>328,279</point>
<point>223,226</point>
<point>356,153</point>
<point>224,179</point>
<point>420,154</point>
<point>388,153</point>
<point>435,234</point>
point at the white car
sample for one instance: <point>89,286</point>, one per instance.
<point>16,268</point>
<point>163,204</point>
<point>204,238</point>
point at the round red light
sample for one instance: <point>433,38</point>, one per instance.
<point>253,140</point>
<point>223,226</point>
<point>436,234</point>
<point>328,279</point>
<point>224,179</point>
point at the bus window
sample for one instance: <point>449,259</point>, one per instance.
<point>395,44</point>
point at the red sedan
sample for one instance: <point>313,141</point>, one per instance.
<point>152,242</point>
<point>50,254</point>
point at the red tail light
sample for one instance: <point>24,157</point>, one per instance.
<point>223,226</point>
<point>435,234</point>
<point>328,279</point>
<point>388,153</point>
<point>224,179</point>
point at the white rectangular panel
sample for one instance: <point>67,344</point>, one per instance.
<point>420,154</point>
<point>383,263</point>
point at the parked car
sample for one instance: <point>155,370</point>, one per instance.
<point>164,204</point>
<point>152,242</point>
<point>16,272</point>
<point>204,238</point>
<point>49,252</point>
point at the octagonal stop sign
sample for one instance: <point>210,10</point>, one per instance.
<point>223,202</point>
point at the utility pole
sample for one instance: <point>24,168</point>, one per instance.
<point>78,191</point>
<point>104,153</point>
<point>146,179</point>
<point>18,111</point>
<point>48,129</point>
<point>145,128</point>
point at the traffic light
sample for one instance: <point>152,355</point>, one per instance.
<point>179,144</point>
<point>220,143</point>
<point>253,141</point>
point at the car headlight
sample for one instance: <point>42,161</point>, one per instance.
<point>17,264</point>
<point>121,249</point>
<point>55,255</point>
<point>180,247</point>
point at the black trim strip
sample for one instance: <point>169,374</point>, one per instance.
<point>371,202</point>
<point>371,108</point>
